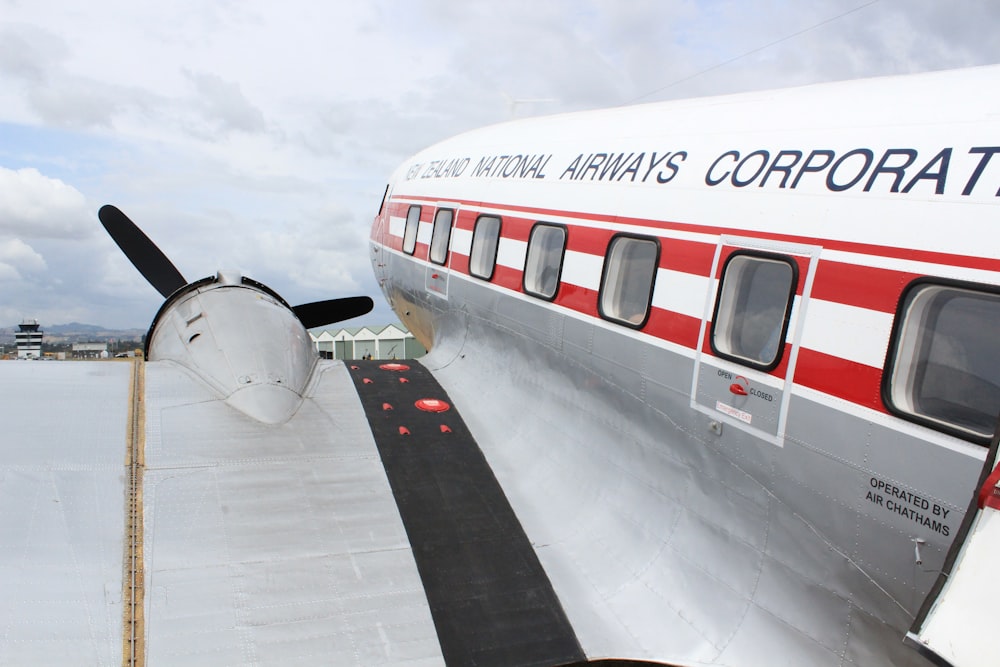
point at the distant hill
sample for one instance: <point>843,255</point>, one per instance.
<point>76,332</point>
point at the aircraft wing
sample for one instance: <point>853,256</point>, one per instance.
<point>62,511</point>
<point>261,544</point>
<point>335,537</point>
<point>273,544</point>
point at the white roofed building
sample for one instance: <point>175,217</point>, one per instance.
<point>393,341</point>
<point>90,350</point>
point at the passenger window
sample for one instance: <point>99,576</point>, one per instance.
<point>944,359</point>
<point>441,235</point>
<point>544,261</point>
<point>485,239</point>
<point>752,309</point>
<point>410,233</point>
<point>627,284</point>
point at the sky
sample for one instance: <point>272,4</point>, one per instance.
<point>259,136</point>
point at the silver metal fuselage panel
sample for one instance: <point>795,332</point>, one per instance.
<point>665,538</point>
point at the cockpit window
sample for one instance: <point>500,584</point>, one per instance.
<point>944,359</point>
<point>627,284</point>
<point>441,235</point>
<point>543,263</point>
<point>410,233</point>
<point>752,309</point>
<point>485,240</point>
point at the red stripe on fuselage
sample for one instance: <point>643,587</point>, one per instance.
<point>861,286</point>
<point>895,252</point>
<point>506,277</point>
<point>673,327</point>
<point>580,299</point>
<point>850,284</point>
<point>849,380</point>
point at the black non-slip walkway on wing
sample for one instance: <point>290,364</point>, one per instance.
<point>491,601</point>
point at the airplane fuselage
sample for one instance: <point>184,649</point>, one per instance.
<point>711,308</point>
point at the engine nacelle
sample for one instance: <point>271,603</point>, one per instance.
<point>241,339</point>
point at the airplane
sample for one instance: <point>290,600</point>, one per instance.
<point>709,382</point>
<point>733,361</point>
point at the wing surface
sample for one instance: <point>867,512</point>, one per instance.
<point>492,602</point>
<point>261,544</point>
<point>276,545</point>
<point>62,511</point>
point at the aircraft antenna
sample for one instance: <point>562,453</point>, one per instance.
<point>513,103</point>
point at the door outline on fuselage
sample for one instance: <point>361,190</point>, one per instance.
<point>436,275</point>
<point>727,370</point>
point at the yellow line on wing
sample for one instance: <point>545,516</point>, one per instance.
<point>133,626</point>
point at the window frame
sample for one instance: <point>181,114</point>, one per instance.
<point>893,357</point>
<point>434,236</point>
<point>416,229</point>
<point>789,261</point>
<point>562,260</point>
<point>605,272</point>
<point>496,249</point>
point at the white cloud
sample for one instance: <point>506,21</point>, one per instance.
<point>16,257</point>
<point>224,104</point>
<point>35,206</point>
<point>28,52</point>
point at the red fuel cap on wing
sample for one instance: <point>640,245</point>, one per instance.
<point>394,367</point>
<point>432,405</point>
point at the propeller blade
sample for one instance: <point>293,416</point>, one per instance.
<point>320,313</point>
<point>143,253</point>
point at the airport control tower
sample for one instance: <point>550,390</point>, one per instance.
<point>29,340</point>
